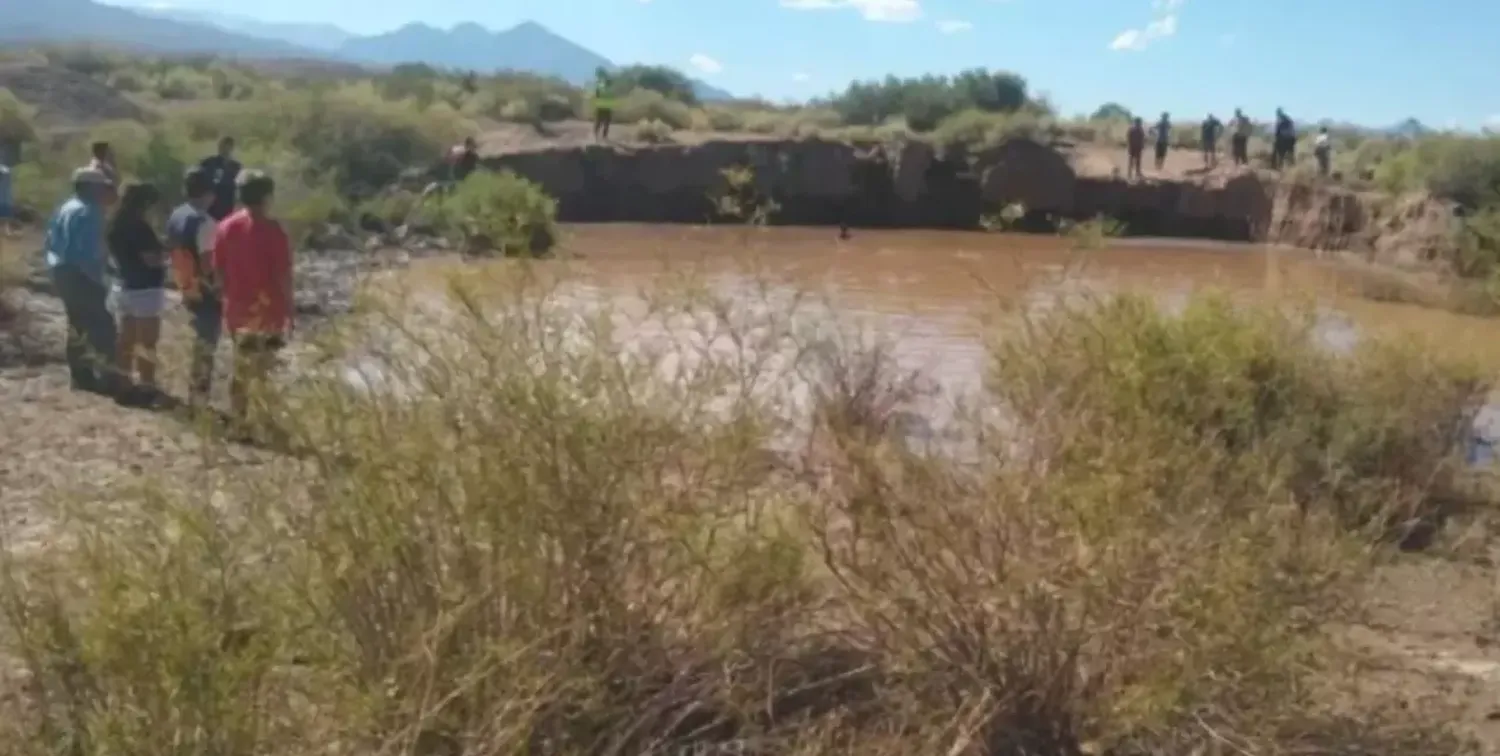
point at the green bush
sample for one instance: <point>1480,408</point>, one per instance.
<point>1241,394</point>
<point>17,119</point>
<point>186,84</point>
<point>502,212</point>
<point>647,105</point>
<point>927,100</point>
<point>724,120</point>
<point>1112,111</point>
<point>975,128</point>
<point>667,82</point>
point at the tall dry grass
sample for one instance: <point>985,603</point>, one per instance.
<point>544,527</point>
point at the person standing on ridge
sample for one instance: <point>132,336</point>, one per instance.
<point>1135,146</point>
<point>1163,131</point>
<point>1212,127</point>
<point>1240,140</point>
<point>1284,143</point>
<point>140,292</point>
<point>604,105</point>
<point>1323,151</point>
<point>190,237</point>
<point>253,261</point>
<point>75,256</point>
<point>224,171</point>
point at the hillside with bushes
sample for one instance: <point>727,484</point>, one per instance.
<point>340,138</point>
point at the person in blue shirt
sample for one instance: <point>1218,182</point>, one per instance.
<point>75,255</point>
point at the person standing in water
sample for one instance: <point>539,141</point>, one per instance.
<point>1212,126</point>
<point>1163,140</point>
<point>604,105</point>
<point>1240,141</point>
<point>190,237</point>
<point>224,170</point>
<point>1135,146</point>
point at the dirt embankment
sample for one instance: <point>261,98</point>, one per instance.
<point>818,182</point>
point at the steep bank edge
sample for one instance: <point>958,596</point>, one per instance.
<point>819,182</point>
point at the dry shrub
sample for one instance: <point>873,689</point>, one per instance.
<point>542,527</point>
<point>653,132</point>
<point>1251,392</point>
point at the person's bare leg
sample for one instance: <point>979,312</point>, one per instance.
<point>125,351</point>
<point>239,393</point>
<point>148,333</point>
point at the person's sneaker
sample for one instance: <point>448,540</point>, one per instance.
<point>138,397</point>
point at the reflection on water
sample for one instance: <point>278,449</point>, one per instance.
<point>929,293</point>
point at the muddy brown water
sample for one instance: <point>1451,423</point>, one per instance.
<point>928,293</point>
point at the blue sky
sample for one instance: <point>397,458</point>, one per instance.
<point>1369,61</point>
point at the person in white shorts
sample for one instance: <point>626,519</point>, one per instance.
<point>140,294</point>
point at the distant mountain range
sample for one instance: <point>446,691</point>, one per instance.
<point>526,47</point>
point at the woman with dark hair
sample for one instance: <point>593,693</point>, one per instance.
<point>141,293</point>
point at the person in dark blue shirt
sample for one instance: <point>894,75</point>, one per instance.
<point>190,239</point>
<point>223,170</point>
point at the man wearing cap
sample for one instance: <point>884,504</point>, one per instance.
<point>76,254</point>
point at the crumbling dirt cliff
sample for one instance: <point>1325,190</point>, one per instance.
<point>818,182</point>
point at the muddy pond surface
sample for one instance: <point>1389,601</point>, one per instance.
<point>929,293</point>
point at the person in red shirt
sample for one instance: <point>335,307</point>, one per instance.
<point>252,256</point>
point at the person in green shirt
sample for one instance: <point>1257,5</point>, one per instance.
<point>604,104</point>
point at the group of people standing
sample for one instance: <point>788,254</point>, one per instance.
<point>1283,142</point>
<point>229,259</point>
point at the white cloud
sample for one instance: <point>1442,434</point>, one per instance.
<point>953,26</point>
<point>892,11</point>
<point>1161,27</point>
<point>801,76</point>
<point>705,64</point>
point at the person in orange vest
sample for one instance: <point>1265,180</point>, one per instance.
<point>190,242</point>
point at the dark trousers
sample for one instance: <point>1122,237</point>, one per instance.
<point>602,120</point>
<point>1240,146</point>
<point>91,330</point>
<point>1285,152</point>
<point>1133,168</point>
<point>1161,155</point>
<point>208,326</point>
